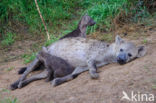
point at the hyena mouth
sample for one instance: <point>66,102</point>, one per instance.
<point>92,23</point>
<point>121,62</point>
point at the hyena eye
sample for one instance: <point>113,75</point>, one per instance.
<point>121,50</point>
<point>129,54</point>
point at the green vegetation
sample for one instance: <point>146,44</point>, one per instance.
<point>57,13</point>
<point>24,12</point>
<point>105,11</point>
<point>8,39</point>
<point>145,41</point>
<point>9,100</point>
<point>4,90</point>
<point>28,57</point>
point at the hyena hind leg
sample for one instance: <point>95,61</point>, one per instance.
<point>14,85</point>
<point>42,75</point>
<point>50,75</point>
<point>75,73</point>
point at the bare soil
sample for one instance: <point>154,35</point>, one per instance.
<point>138,76</point>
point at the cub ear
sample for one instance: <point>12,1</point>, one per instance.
<point>44,49</point>
<point>141,51</point>
<point>86,14</point>
<point>118,39</point>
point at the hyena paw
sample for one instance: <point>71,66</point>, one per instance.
<point>56,82</point>
<point>20,85</point>
<point>94,75</point>
<point>13,86</point>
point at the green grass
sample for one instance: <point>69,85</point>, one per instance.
<point>4,90</point>
<point>29,57</point>
<point>58,13</point>
<point>54,13</point>
<point>145,41</point>
<point>8,39</point>
<point>9,100</point>
<point>104,12</point>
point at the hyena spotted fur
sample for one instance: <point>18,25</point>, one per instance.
<point>88,54</point>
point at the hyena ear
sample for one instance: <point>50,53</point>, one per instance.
<point>44,49</point>
<point>118,39</point>
<point>141,51</point>
<point>86,14</point>
<point>86,17</point>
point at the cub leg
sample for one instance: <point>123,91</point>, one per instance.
<point>39,76</point>
<point>30,68</point>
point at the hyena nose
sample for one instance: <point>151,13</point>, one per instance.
<point>121,59</point>
<point>92,22</point>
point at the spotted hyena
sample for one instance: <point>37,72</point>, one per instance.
<point>88,54</point>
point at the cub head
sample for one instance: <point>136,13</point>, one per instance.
<point>87,21</point>
<point>127,51</point>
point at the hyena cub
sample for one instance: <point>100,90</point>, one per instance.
<point>80,31</point>
<point>56,66</point>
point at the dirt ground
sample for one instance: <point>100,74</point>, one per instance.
<point>138,76</point>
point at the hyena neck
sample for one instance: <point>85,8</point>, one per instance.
<point>82,29</point>
<point>111,52</point>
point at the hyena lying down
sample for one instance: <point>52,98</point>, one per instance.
<point>80,31</point>
<point>87,54</point>
<point>56,66</point>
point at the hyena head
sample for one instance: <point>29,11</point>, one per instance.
<point>86,21</point>
<point>127,51</point>
<point>43,54</point>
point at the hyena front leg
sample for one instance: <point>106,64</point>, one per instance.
<point>92,69</point>
<point>30,68</point>
<point>14,85</point>
<point>75,73</point>
<point>101,64</point>
<point>42,75</point>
